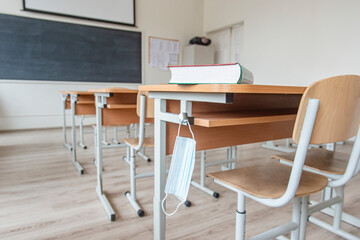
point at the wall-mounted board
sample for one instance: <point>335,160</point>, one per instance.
<point>114,11</point>
<point>163,52</point>
<point>34,49</point>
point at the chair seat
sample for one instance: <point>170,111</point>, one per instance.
<point>321,160</point>
<point>269,180</point>
<point>148,141</point>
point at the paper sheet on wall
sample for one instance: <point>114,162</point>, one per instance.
<point>163,53</point>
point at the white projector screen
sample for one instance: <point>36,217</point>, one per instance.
<point>114,11</point>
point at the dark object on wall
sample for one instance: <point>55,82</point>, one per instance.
<point>200,41</point>
<point>33,49</point>
<point>119,12</point>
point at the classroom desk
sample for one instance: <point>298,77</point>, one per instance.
<point>114,107</point>
<point>222,115</point>
<point>81,103</point>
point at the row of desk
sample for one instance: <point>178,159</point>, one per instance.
<point>222,115</point>
<point>80,103</point>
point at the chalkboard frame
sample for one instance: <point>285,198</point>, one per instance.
<point>82,17</point>
<point>13,68</point>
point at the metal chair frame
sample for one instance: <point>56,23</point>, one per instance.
<point>294,180</point>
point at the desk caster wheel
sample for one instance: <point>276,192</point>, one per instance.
<point>187,203</point>
<point>216,195</point>
<point>148,160</point>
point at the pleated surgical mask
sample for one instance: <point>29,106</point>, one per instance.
<point>181,169</point>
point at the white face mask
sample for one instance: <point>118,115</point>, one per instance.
<point>181,169</point>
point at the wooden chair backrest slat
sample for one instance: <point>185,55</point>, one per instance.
<point>338,115</point>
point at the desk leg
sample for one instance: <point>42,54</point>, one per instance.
<point>100,101</point>
<point>115,139</point>
<point>159,169</point>
<point>81,127</point>
<point>63,99</point>
<point>234,157</point>
<point>73,99</point>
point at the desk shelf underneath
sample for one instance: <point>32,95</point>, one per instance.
<point>121,106</point>
<point>85,102</point>
<point>222,119</point>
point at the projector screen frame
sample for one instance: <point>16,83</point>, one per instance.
<point>133,23</point>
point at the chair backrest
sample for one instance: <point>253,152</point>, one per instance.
<point>329,111</point>
<point>338,115</point>
<point>149,102</point>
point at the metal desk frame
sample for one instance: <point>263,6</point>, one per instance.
<point>162,93</point>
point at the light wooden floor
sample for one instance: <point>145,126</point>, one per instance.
<point>43,197</point>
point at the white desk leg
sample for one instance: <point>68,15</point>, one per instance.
<point>73,99</point>
<point>115,138</point>
<point>234,157</point>
<point>63,99</point>
<point>100,101</point>
<point>159,169</point>
<point>81,127</point>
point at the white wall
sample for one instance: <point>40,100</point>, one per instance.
<point>36,104</point>
<point>292,42</point>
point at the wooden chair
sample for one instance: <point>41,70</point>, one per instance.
<point>145,110</point>
<point>337,120</point>
<point>328,112</point>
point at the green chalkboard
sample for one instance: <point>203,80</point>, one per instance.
<point>34,49</point>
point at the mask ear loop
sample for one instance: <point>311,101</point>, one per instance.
<point>166,213</point>
<point>192,134</point>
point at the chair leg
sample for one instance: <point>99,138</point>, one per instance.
<point>231,158</point>
<point>141,152</point>
<point>128,131</point>
<point>127,157</point>
<point>338,208</point>
<point>330,211</point>
<point>143,155</point>
<point>131,196</point>
<point>240,218</point>
<point>304,216</point>
<point>202,186</point>
<point>296,218</point>
<point>334,210</point>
